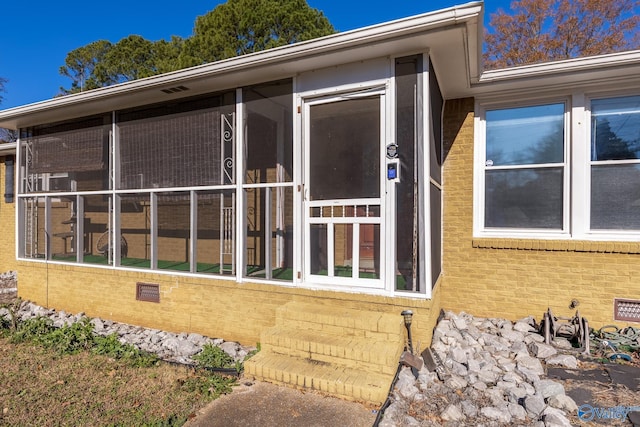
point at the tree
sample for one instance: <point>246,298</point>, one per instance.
<point>3,82</point>
<point>238,27</point>
<point>80,65</point>
<point>6,135</point>
<point>544,30</point>
<point>129,59</point>
<point>233,28</point>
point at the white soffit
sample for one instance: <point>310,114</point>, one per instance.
<point>451,35</point>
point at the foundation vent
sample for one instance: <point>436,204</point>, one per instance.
<point>627,310</point>
<point>147,292</point>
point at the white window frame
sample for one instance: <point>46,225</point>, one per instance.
<point>480,133</point>
<point>585,230</point>
<point>577,179</point>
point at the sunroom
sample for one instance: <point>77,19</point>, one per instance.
<point>314,165</point>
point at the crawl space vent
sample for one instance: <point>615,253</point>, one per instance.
<point>627,310</point>
<point>147,292</point>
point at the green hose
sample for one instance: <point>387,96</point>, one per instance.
<point>628,337</point>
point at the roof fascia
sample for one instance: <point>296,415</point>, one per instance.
<point>565,73</point>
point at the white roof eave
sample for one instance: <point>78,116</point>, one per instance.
<point>7,148</point>
<point>369,42</point>
<point>586,73</point>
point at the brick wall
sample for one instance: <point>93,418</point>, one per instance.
<point>7,227</point>
<point>514,278</point>
<point>210,306</point>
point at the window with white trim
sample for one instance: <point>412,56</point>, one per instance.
<point>525,168</point>
<point>615,163</point>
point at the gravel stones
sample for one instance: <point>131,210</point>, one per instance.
<point>166,345</point>
<point>564,360</point>
<point>493,375</point>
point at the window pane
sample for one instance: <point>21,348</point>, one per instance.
<point>407,266</point>
<point>318,243</point>
<point>135,229</point>
<point>527,135</point>
<point>345,154</point>
<point>615,197</point>
<point>97,229</point>
<point>615,128</point>
<point>33,244</point>
<point>269,132</point>
<point>524,198</point>
<point>216,232</point>
<point>63,229</point>
<point>174,231</point>
<point>269,244</point>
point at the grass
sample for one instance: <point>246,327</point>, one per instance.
<point>68,376</point>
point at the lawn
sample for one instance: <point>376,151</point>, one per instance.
<point>42,386</point>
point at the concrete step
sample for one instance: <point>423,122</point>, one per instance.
<point>344,382</point>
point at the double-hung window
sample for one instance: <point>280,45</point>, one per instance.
<point>615,164</point>
<point>524,169</point>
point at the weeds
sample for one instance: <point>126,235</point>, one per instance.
<point>70,339</point>
<point>210,384</point>
<point>112,347</point>
<point>214,357</point>
<point>36,330</point>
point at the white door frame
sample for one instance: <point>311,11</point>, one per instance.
<point>330,280</point>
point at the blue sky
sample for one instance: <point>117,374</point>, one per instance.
<point>38,34</point>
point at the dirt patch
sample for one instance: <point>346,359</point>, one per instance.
<point>602,391</point>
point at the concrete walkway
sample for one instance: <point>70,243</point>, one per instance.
<point>266,405</point>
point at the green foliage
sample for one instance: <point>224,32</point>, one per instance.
<point>10,324</point>
<point>79,336</point>
<point>111,346</point>
<point>233,28</point>
<point>253,352</point>
<point>238,27</point>
<point>214,357</point>
<point>79,66</point>
<point>70,339</point>
<point>210,384</point>
<point>33,330</point>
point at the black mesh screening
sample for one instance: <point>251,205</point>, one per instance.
<point>73,147</point>
<point>172,146</point>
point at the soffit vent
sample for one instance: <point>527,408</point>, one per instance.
<point>175,89</point>
<point>627,310</point>
<point>147,292</point>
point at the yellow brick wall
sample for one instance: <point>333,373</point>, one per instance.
<point>209,306</point>
<point>514,278</point>
<point>7,227</point>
